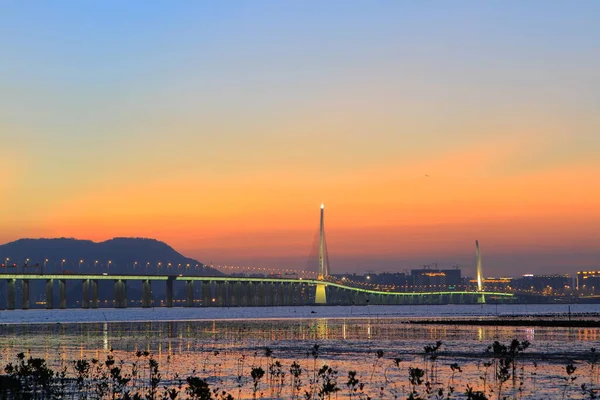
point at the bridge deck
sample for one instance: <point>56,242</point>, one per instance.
<point>186,278</point>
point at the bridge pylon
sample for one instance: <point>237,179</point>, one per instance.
<point>481,299</point>
<point>321,293</point>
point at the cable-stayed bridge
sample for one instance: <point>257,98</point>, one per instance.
<point>289,288</point>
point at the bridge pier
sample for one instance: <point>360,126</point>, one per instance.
<point>25,294</point>
<point>294,299</point>
<point>334,295</point>
<point>49,294</point>
<point>231,300</point>
<point>260,294</point>
<point>120,293</point>
<point>299,292</point>
<point>236,294</point>
<point>243,294</point>
<point>206,293</point>
<point>386,299</point>
<point>94,285</point>
<point>220,293</point>
<point>217,299</point>
<point>253,298</point>
<point>227,294</point>
<point>481,298</point>
<point>170,292</point>
<point>62,290</point>
<point>279,294</point>
<point>11,294</point>
<point>285,294</point>
<point>377,299</point>
<point>276,298</point>
<point>189,293</point>
<point>268,293</point>
<point>257,295</point>
<point>373,299</point>
<point>146,293</point>
<point>85,293</point>
<point>320,294</point>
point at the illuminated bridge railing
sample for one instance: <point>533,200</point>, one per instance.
<point>225,291</point>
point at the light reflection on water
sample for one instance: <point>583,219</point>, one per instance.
<point>346,343</point>
<point>186,346</point>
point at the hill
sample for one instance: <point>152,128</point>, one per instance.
<point>118,255</point>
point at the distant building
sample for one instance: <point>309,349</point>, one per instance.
<point>588,282</point>
<point>492,284</point>
<point>544,284</point>
<point>428,279</point>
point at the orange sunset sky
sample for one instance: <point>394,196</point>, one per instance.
<point>220,129</point>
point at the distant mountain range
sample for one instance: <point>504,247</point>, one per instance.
<point>118,255</point>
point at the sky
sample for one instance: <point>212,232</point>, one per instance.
<point>220,127</point>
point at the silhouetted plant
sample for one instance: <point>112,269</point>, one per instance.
<point>588,392</point>
<point>154,380</point>
<point>593,361</point>
<point>505,363</point>
<point>82,374</point>
<point>534,375</point>
<point>569,379</point>
<point>431,355</point>
<point>355,386</point>
<point>503,373</point>
<point>296,373</point>
<point>59,389</point>
<point>277,378</point>
<point>475,394</point>
<point>415,377</point>
<point>119,381</point>
<point>327,377</point>
<point>221,394</point>
<point>240,368</point>
<point>257,373</point>
<point>484,377</point>
<point>313,382</point>
<point>197,388</point>
<point>378,356</point>
<point>454,367</point>
<point>33,376</point>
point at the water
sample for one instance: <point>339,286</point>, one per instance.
<point>192,314</point>
<point>220,344</point>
